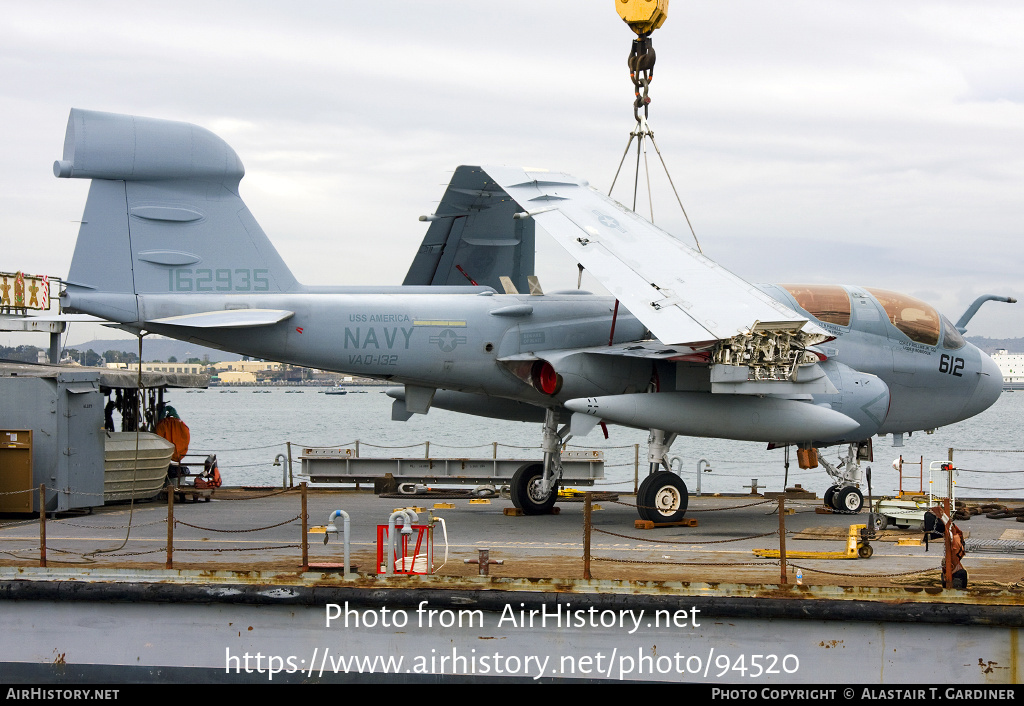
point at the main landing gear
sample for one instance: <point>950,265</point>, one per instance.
<point>662,496</point>
<point>535,486</point>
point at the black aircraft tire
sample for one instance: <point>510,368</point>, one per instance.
<point>644,483</point>
<point>523,481</point>
<point>663,498</point>
<point>829,496</point>
<point>849,500</point>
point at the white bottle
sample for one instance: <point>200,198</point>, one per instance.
<point>799,577</point>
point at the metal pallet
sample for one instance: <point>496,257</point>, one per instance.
<point>342,466</point>
<point>998,546</point>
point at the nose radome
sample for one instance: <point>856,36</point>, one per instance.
<point>990,386</point>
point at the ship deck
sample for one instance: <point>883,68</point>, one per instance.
<point>261,529</point>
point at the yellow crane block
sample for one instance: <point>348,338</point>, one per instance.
<point>642,16</point>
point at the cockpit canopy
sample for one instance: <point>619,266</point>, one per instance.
<point>825,302</point>
<point>919,321</point>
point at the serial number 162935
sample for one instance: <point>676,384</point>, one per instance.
<point>183,279</point>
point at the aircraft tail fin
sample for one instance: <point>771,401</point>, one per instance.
<point>163,216</point>
<point>473,239</point>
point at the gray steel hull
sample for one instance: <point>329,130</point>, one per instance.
<point>199,626</point>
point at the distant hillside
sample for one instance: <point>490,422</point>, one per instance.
<point>156,348</point>
<point>990,345</point>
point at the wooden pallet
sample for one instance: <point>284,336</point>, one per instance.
<point>647,524</point>
<point>517,512</point>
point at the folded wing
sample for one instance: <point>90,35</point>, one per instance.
<point>679,294</point>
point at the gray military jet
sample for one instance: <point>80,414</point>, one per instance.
<point>682,347</point>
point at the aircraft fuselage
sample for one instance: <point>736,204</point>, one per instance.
<point>454,341</point>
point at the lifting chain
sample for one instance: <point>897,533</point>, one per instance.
<point>641,72</point>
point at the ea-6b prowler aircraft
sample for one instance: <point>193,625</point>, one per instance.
<point>682,347</point>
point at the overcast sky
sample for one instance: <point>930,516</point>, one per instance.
<point>870,143</point>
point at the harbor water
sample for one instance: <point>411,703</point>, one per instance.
<point>248,426</point>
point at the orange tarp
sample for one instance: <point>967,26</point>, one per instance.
<point>176,432</point>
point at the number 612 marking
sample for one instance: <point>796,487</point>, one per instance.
<point>951,365</point>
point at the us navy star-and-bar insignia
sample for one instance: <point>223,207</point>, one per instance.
<point>607,221</point>
<point>448,339</point>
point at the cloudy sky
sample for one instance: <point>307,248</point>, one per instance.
<point>872,143</point>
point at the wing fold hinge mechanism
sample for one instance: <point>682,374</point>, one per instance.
<point>769,358</point>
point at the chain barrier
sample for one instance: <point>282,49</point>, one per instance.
<point>602,448</point>
<point>685,563</point>
<point>65,523</point>
<point>972,487</point>
<point>236,531</point>
<point>690,543</point>
<point>709,509</point>
<point>407,446</point>
<point>19,523</point>
<point>294,489</point>
<point>241,549</point>
<point>13,552</point>
<point>247,448</point>
<point>161,550</point>
<point>975,470</point>
<point>868,576</point>
<point>334,446</point>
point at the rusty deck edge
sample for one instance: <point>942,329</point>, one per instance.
<point>747,601</point>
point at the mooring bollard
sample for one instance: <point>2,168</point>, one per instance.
<point>484,561</point>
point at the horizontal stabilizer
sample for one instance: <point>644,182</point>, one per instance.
<point>55,318</point>
<point>233,318</point>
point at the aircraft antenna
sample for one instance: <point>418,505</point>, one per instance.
<point>643,17</point>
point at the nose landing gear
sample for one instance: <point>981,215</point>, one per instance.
<point>845,496</point>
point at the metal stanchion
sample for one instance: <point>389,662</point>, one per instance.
<point>782,539</point>
<point>291,478</point>
<point>305,541</point>
<point>588,498</point>
<point>169,564</point>
<point>947,574</point>
<point>42,525</point>
<point>636,468</point>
